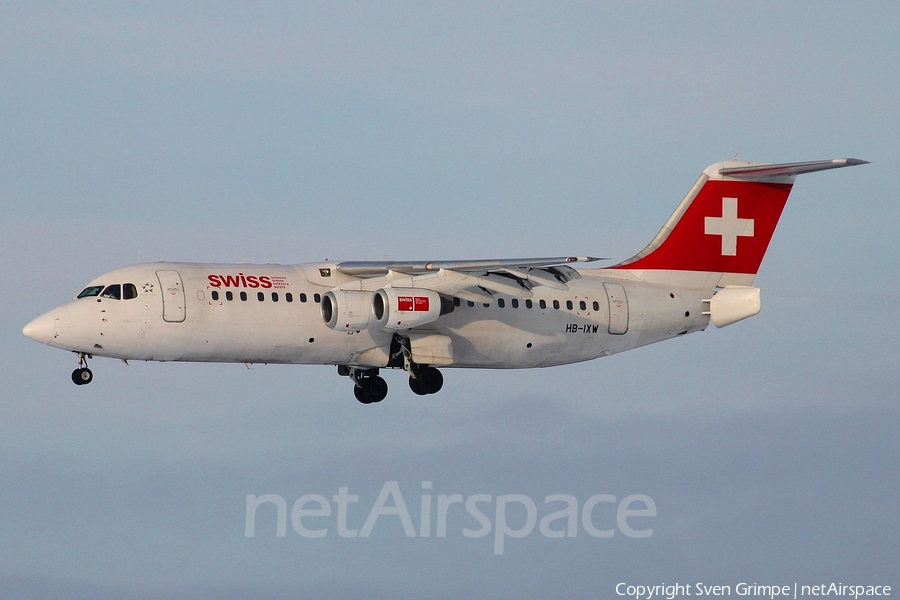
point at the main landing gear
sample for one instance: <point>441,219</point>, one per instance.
<point>368,387</point>
<point>426,380</point>
<point>423,380</point>
<point>82,375</point>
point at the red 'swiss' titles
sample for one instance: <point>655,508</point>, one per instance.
<point>241,280</point>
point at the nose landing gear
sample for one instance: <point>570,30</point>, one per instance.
<point>82,375</point>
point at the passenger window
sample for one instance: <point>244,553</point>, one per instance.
<point>302,297</point>
<point>456,301</point>
<point>556,304</point>
<point>243,296</point>
<point>583,305</point>
<point>260,296</point>
<point>274,296</point>
<point>529,303</point>
<point>289,297</point>
<point>596,305</point>
<point>129,291</point>
<point>94,290</point>
<point>317,298</point>
<point>114,292</point>
<point>470,303</point>
<point>543,303</point>
<point>215,295</point>
<point>569,304</point>
<point>501,303</point>
<point>487,304</point>
<point>229,296</point>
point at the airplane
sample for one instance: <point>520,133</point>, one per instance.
<point>423,316</point>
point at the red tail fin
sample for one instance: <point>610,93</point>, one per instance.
<point>720,231</point>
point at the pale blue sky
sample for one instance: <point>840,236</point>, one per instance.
<point>276,133</point>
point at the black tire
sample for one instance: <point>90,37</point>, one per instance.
<point>361,395</point>
<point>82,376</point>
<point>431,380</point>
<point>415,387</point>
<point>376,389</point>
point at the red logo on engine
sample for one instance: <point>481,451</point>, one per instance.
<point>412,303</point>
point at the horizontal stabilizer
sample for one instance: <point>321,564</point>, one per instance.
<point>763,172</point>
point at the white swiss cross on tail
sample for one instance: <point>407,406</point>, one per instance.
<point>729,226</point>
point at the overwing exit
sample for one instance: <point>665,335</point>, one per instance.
<point>424,316</point>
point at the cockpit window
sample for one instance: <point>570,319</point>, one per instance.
<point>113,292</point>
<point>93,290</point>
<point>129,291</point>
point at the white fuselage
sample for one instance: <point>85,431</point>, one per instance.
<point>272,314</point>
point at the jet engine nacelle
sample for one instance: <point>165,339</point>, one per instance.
<point>402,308</point>
<point>347,311</point>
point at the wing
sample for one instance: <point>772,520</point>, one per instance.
<point>475,280</point>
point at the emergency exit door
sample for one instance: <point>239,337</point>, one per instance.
<point>618,308</point>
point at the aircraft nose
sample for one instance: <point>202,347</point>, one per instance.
<point>44,327</point>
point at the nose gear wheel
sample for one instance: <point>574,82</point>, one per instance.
<point>82,375</point>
